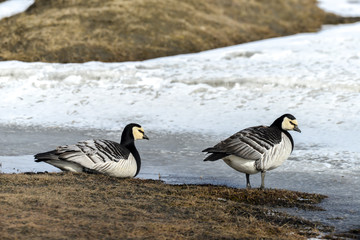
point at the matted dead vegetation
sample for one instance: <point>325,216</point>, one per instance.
<point>82,206</point>
<point>119,30</point>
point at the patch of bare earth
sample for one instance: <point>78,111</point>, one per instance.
<point>67,206</point>
<point>118,30</point>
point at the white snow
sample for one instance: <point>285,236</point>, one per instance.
<point>348,8</point>
<point>314,76</point>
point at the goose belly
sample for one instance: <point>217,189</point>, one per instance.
<point>65,165</point>
<point>124,168</point>
<point>240,164</point>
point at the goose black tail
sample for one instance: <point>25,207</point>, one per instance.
<point>51,155</point>
<point>214,155</point>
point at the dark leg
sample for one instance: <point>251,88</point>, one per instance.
<point>262,180</point>
<point>248,186</point>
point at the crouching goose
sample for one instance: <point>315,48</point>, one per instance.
<point>100,156</point>
<point>257,149</point>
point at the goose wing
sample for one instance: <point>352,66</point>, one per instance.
<point>250,143</point>
<point>88,153</point>
<point>103,150</point>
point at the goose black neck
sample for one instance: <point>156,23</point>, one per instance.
<point>277,124</point>
<point>128,141</point>
<point>136,155</point>
<point>126,138</point>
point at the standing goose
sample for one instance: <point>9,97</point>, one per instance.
<point>100,156</point>
<point>257,149</point>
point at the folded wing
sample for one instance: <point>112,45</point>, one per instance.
<point>250,143</point>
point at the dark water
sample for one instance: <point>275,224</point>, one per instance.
<point>177,158</point>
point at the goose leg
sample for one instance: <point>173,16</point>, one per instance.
<point>262,180</point>
<point>248,186</point>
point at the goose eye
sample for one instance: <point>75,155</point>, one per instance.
<point>141,131</point>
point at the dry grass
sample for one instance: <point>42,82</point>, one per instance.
<point>119,30</point>
<point>81,206</point>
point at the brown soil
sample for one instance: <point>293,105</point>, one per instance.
<point>118,30</point>
<point>83,206</point>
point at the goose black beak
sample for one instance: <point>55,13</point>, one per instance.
<point>145,137</point>
<point>296,128</point>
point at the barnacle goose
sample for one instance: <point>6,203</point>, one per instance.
<point>100,156</point>
<point>257,149</point>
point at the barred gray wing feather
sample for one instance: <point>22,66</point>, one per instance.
<point>103,150</point>
<point>250,143</point>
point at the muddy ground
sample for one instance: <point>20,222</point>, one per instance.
<point>87,206</point>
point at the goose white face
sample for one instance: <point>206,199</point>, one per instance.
<point>139,133</point>
<point>290,124</point>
